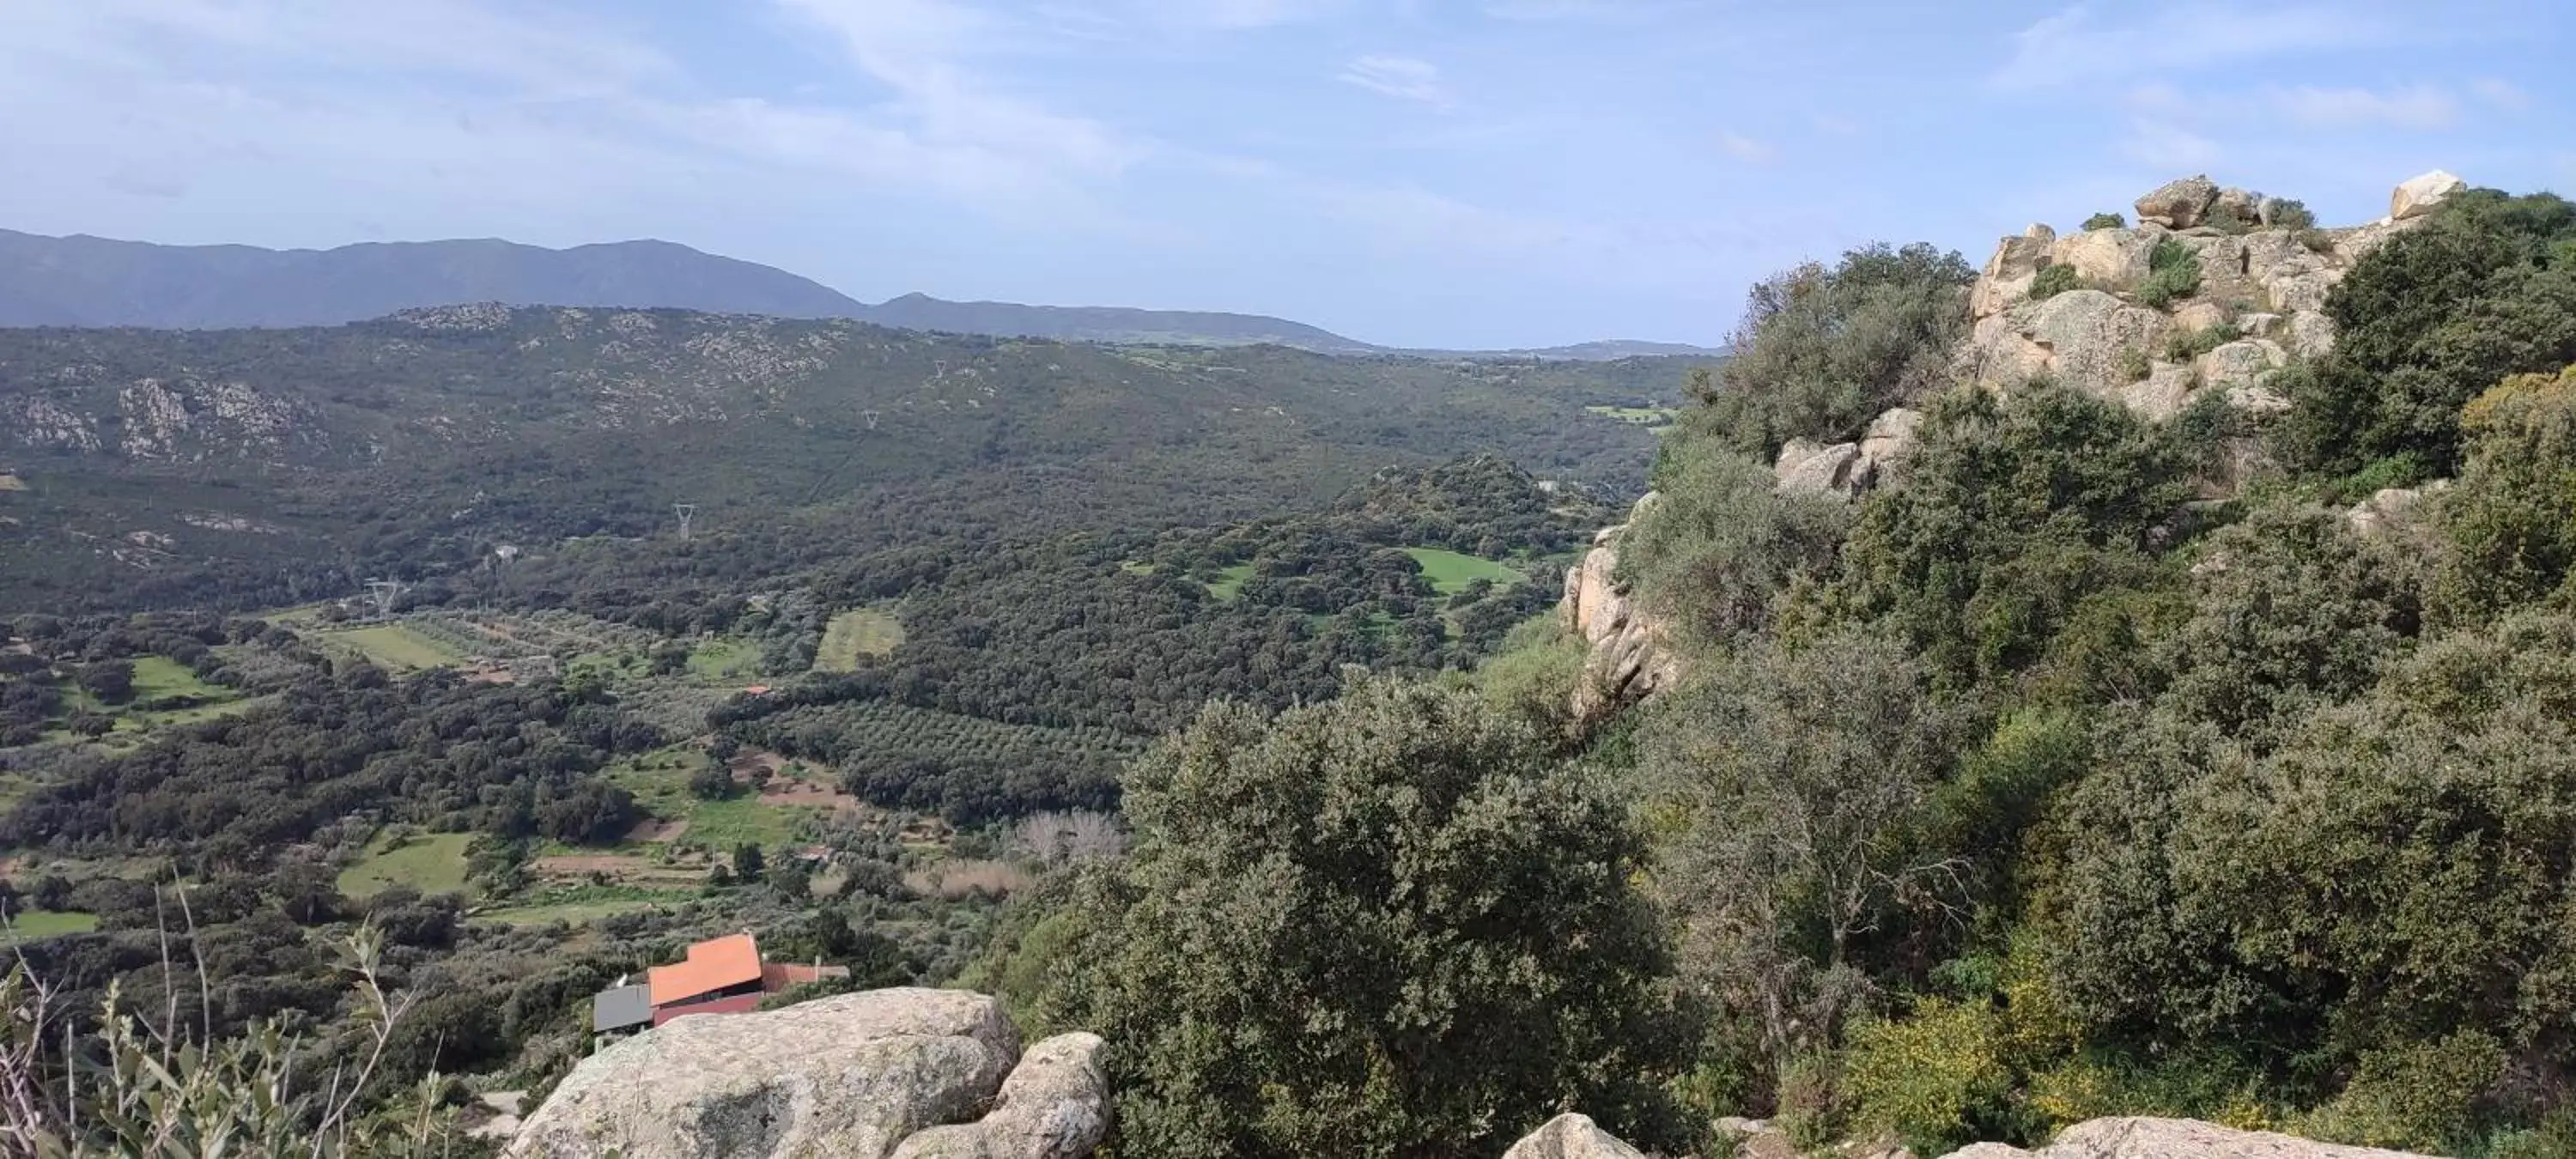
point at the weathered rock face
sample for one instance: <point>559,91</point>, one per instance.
<point>852,1075</point>
<point>1054,1106</point>
<point>2140,1138</point>
<point>2270,282</point>
<point>1571,1137</point>
<point>2178,204</point>
<point>2418,196</point>
<point>1812,468</point>
<point>2391,508</point>
<point>1628,660</point>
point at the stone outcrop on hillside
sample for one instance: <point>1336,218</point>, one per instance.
<point>1571,1136</point>
<point>2139,1138</point>
<point>2268,282</point>
<point>1628,660</point>
<point>924,1074</point>
<point>1575,1137</point>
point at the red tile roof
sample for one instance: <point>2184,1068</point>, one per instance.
<point>711,966</point>
<point>739,1004</point>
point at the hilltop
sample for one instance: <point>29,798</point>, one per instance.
<point>90,281</point>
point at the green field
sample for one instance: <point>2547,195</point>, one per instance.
<point>1228,585</point>
<point>1450,572</point>
<point>855,633</point>
<point>660,782</point>
<point>393,646</point>
<point>575,905</point>
<point>724,659</point>
<point>1644,416</point>
<point>430,863</point>
<point>156,677</point>
<point>37,923</point>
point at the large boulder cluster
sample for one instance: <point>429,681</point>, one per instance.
<point>887,1074</point>
<point>2260,277</point>
<point>1628,659</point>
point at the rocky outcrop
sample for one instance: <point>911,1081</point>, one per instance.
<point>1627,660</point>
<point>2140,1138</point>
<point>2391,508</point>
<point>1571,1136</point>
<point>871,1075</point>
<point>2418,196</point>
<point>2270,282</point>
<point>1054,1106</point>
<point>2178,204</point>
<point>1812,468</point>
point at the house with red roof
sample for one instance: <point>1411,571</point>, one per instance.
<point>721,976</point>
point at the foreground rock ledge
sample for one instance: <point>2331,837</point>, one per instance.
<point>2141,1138</point>
<point>911,1072</point>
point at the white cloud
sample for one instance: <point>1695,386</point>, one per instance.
<point>1591,11</point>
<point>1399,76</point>
<point>1838,126</point>
<point>2417,107</point>
<point>2072,46</point>
<point>1750,150</point>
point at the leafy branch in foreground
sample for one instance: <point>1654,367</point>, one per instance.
<point>129,1087</point>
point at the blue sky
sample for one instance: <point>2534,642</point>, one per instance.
<point>1417,172</point>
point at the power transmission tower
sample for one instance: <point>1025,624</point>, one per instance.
<point>385,592</point>
<point>686,512</point>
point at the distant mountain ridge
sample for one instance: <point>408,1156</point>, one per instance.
<point>90,281</point>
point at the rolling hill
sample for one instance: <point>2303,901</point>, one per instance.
<point>154,467</point>
<point>89,281</point>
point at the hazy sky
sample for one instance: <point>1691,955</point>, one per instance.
<point>1418,172</point>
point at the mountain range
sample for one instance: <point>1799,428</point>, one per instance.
<point>93,282</point>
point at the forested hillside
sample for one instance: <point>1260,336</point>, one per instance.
<point>2031,748</point>
<point>247,469</point>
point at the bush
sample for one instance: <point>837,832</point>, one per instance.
<point>2105,221</point>
<point>2185,345</point>
<point>1932,1077</point>
<point>2052,281</point>
<point>1724,542</point>
<point>1387,924</point>
<point>2484,290</point>
<point>2512,518</point>
<point>1822,351</point>
<point>2135,366</point>
<point>2291,215</point>
<point>2173,274</point>
<point>2418,1098</point>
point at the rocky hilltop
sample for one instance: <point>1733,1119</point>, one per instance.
<point>2212,292</point>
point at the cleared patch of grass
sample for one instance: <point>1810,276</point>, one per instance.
<point>159,676</point>
<point>724,659</point>
<point>576,905</point>
<point>1644,416</point>
<point>35,924</point>
<point>430,863</point>
<point>660,782</point>
<point>1450,572</point>
<point>1228,585</point>
<point>394,646</point>
<point>855,633</point>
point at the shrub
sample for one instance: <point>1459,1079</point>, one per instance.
<point>2173,274</point>
<point>2513,514</point>
<point>2135,366</point>
<point>2185,345</point>
<point>2106,221</point>
<point>2052,281</point>
<point>1822,351</point>
<point>2426,322</point>
<point>2291,215</point>
<point>1930,1076</point>
<point>1387,924</point>
<point>2417,1097</point>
